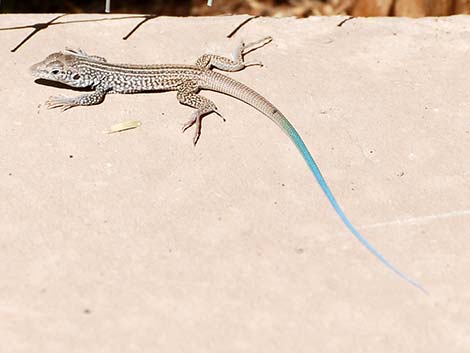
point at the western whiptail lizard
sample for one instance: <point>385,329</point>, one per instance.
<point>78,69</point>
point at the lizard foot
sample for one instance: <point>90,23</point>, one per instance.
<point>196,119</point>
<point>246,48</point>
<point>253,63</point>
<point>62,102</point>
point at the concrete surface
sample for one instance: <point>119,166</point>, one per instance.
<point>138,242</point>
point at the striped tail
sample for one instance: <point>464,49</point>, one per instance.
<point>224,84</point>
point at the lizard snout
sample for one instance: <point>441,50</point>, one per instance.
<point>35,70</point>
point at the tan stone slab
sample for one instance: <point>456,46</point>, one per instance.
<point>139,242</point>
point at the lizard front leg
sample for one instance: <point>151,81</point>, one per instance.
<point>187,94</point>
<point>236,62</point>
<point>64,102</point>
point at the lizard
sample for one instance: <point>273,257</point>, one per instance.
<point>76,68</point>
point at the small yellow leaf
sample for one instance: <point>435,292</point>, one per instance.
<point>126,125</point>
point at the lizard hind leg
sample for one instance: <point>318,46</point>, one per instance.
<point>187,95</point>
<point>236,61</point>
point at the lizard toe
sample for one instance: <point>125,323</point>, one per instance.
<point>61,101</point>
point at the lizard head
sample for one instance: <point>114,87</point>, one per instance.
<point>60,67</point>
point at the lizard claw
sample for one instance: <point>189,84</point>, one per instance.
<point>219,114</point>
<point>189,123</point>
<point>62,102</point>
<point>195,119</point>
<point>197,134</point>
<point>253,63</point>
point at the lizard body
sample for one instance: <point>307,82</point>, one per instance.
<point>78,69</point>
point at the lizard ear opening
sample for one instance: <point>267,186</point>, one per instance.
<point>76,76</point>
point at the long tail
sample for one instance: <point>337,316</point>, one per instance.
<point>229,86</point>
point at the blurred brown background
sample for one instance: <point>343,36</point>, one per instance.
<point>298,8</point>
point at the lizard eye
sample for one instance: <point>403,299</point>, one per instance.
<point>76,76</point>
<point>55,72</point>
